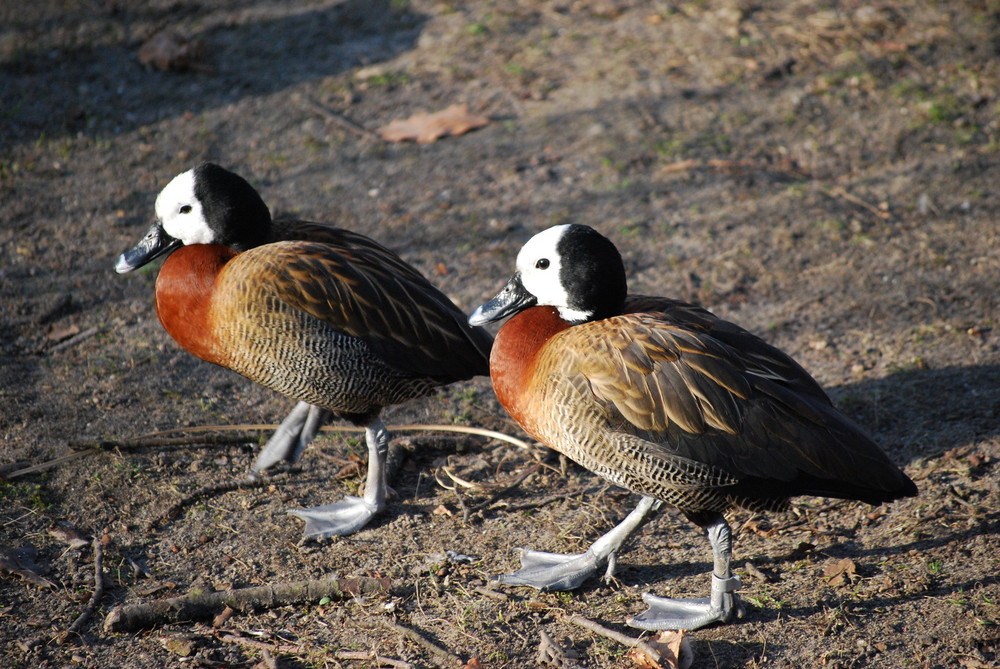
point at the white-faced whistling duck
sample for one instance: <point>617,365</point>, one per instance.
<point>666,400</point>
<point>322,315</point>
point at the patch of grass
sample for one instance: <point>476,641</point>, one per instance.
<point>387,80</point>
<point>670,148</point>
<point>30,494</point>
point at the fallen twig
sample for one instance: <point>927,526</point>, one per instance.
<point>340,119</point>
<point>95,597</point>
<point>201,606</point>
<point>838,191</point>
<point>159,442</point>
<point>74,340</point>
<point>216,489</point>
<point>552,654</point>
<point>623,639</point>
<point>722,164</point>
<point>372,655</point>
<point>444,658</point>
<point>414,427</point>
<point>260,645</point>
<point>160,439</point>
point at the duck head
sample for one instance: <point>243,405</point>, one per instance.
<point>570,267</point>
<point>207,204</point>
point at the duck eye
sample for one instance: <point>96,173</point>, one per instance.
<point>542,263</point>
<point>185,209</point>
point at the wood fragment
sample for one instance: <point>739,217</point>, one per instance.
<point>623,639</point>
<point>158,439</point>
<point>442,657</point>
<point>74,340</point>
<point>260,645</point>
<point>340,120</point>
<point>159,442</point>
<point>201,606</point>
<point>551,654</point>
<point>839,191</point>
<point>268,660</point>
<point>372,655</point>
<point>492,594</point>
<point>95,597</point>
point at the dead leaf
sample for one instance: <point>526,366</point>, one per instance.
<point>473,663</point>
<point>59,334</point>
<point>69,535</point>
<point>673,647</point>
<point>840,572</point>
<point>442,510</point>
<point>223,617</point>
<point>10,563</point>
<point>425,128</point>
<point>166,50</point>
<point>178,646</point>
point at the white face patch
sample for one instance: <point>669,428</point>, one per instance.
<point>181,213</point>
<point>539,263</point>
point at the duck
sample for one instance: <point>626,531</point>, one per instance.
<point>667,400</point>
<point>322,315</point>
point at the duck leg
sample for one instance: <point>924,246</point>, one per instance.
<point>553,571</point>
<point>291,438</point>
<point>353,513</point>
<point>689,614</point>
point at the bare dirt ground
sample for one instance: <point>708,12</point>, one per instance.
<point>824,174</point>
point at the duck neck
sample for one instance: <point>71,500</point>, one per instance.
<point>515,353</point>
<point>184,296</point>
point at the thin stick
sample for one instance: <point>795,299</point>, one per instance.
<point>443,657</point>
<point>340,119</point>
<point>838,191</point>
<point>260,645</point>
<point>96,596</point>
<point>416,427</point>
<point>200,606</point>
<point>623,639</point>
<point>74,340</point>
<point>154,442</point>
<point>372,655</point>
<point>155,439</point>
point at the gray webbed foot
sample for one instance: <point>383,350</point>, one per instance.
<point>688,614</point>
<point>554,571</point>
<point>353,513</point>
<point>338,519</point>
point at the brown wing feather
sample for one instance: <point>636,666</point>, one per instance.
<point>758,356</point>
<point>363,290</point>
<point>688,394</point>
